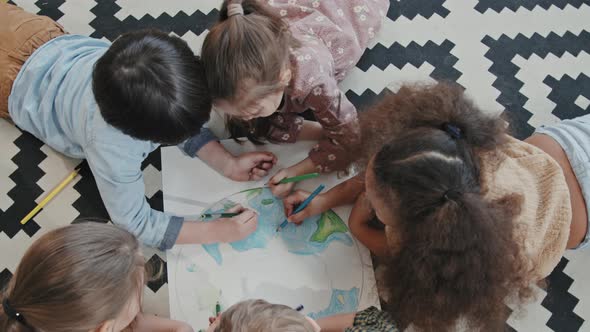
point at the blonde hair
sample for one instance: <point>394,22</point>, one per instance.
<point>260,316</point>
<point>73,279</point>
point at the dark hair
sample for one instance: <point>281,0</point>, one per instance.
<point>152,87</point>
<point>254,130</point>
<point>458,257</point>
<point>73,279</point>
<point>246,49</point>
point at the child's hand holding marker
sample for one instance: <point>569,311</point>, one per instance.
<point>238,227</point>
<point>303,205</point>
<point>281,189</point>
<point>318,205</point>
<point>282,183</point>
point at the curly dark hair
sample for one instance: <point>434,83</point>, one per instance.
<point>458,257</point>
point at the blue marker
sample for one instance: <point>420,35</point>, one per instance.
<point>303,205</point>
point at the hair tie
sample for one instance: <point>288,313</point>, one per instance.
<point>453,131</point>
<point>11,313</point>
<point>235,9</point>
<point>451,195</point>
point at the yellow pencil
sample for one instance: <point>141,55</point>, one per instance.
<point>52,194</point>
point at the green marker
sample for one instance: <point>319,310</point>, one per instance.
<point>217,309</point>
<point>299,178</point>
<point>219,215</point>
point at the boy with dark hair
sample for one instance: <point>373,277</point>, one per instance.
<point>112,105</point>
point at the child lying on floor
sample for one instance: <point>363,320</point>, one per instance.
<point>471,214</point>
<point>269,61</point>
<point>80,278</point>
<point>111,104</point>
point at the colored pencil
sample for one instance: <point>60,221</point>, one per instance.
<point>299,178</point>
<point>51,195</point>
<point>219,215</point>
<point>303,205</point>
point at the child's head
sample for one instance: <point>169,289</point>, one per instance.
<point>152,87</point>
<point>259,315</point>
<point>246,59</point>
<point>79,278</point>
<point>453,254</point>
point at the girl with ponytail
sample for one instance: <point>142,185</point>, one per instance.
<point>471,215</point>
<point>266,62</point>
<point>86,277</point>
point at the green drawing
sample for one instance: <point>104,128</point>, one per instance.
<point>251,193</point>
<point>267,201</point>
<point>328,224</point>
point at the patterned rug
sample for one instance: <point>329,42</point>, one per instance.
<point>529,59</point>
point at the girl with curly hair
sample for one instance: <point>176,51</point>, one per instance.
<point>471,215</point>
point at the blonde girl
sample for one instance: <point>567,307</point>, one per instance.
<point>80,278</point>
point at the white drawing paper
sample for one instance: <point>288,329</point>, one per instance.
<point>318,264</point>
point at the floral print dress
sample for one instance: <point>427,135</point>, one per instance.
<point>333,35</point>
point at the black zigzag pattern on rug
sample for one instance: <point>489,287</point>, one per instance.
<point>89,205</point>
<point>439,56</point>
<point>501,53</point>
<point>26,190</point>
<point>50,8</point>
<point>560,302</point>
<point>412,8</point>
<point>564,93</point>
<point>5,277</point>
<point>106,24</point>
<point>498,5</point>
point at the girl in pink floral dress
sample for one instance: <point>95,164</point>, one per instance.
<point>268,62</point>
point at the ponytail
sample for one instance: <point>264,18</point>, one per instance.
<point>458,257</point>
<point>73,279</point>
<point>246,51</point>
<point>11,320</point>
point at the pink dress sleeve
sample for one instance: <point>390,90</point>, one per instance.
<point>339,120</point>
<point>284,127</point>
<point>333,35</point>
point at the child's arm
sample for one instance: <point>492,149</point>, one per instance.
<point>317,89</point>
<point>342,194</point>
<point>375,240</point>
<point>220,230</point>
<point>310,131</point>
<point>151,323</point>
<point>337,323</point>
<point>280,190</point>
<point>245,167</point>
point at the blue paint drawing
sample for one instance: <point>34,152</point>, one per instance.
<point>313,236</point>
<point>340,302</point>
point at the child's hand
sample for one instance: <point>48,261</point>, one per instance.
<point>250,166</point>
<point>238,227</point>
<point>281,190</point>
<point>213,322</point>
<point>317,206</point>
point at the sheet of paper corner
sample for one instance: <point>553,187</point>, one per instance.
<point>190,186</point>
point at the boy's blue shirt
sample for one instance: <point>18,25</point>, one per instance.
<point>52,99</point>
